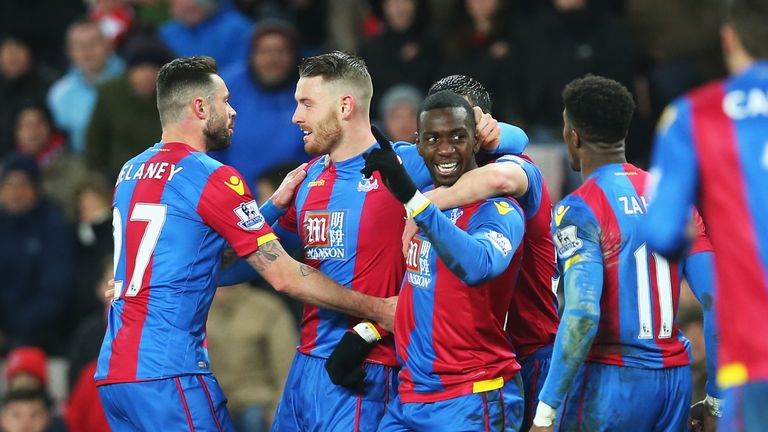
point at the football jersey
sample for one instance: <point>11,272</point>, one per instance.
<point>449,325</point>
<point>350,229</point>
<point>600,222</point>
<point>532,320</point>
<point>174,211</point>
<point>712,149</point>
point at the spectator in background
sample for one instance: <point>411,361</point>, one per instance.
<point>26,367</point>
<point>262,94</point>
<point>207,27</point>
<point>125,120</point>
<point>35,260</point>
<point>479,45</point>
<point>561,45</point>
<point>26,371</point>
<point>93,197</point>
<point>72,98</point>
<point>405,51</point>
<point>252,339</point>
<point>21,82</point>
<point>399,108</point>
<point>27,410</point>
<point>36,137</point>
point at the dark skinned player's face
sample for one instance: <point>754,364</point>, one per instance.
<point>446,141</point>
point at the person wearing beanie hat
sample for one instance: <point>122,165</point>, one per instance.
<point>26,367</point>
<point>35,260</point>
<point>262,91</point>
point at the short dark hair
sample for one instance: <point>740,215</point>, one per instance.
<point>26,395</point>
<point>177,79</point>
<point>600,109</point>
<point>749,19</point>
<point>448,99</point>
<point>466,87</point>
<point>336,66</point>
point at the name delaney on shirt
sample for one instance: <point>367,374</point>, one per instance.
<point>155,170</point>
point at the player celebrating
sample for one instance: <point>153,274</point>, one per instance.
<point>459,370</point>
<point>175,208</point>
<point>532,319</point>
<point>619,361</point>
<point>712,149</point>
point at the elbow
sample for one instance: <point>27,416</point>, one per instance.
<point>503,181</point>
<point>583,319</point>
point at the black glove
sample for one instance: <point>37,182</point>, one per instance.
<point>345,365</point>
<point>387,163</point>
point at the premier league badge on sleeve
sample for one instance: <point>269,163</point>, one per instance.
<point>250,216</point>
<point>567,241</point>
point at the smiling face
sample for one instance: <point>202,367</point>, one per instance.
<point>317,115</point>
<point>447,143</point>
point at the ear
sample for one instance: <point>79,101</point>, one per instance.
<point>348,105</point>
<point>417,141</point>
<point>200,108</point>
<point>575,139</point>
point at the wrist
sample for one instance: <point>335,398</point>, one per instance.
<point>545,415</point>
<point>714,406</point>
<point>416,204</point>
<point>367,331</point>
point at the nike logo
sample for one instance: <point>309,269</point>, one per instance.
<point>559,213</point>
<point>236,185</point>
<point>503,207</point>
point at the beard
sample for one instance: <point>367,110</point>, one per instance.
<point>324,137</point>
<point>216,133</point>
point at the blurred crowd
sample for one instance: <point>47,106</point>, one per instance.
<point>77,85</point>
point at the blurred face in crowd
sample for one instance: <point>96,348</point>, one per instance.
<point>32,131</point>
<point>569,5</point>
<point>447,143</point>
<point>24,380</point>
<point>191,12</point>
<point>25,416</point>
<point>272,58</point>
<point>317,115</point>
<point>15,59</point>
<point>220,124</point>
<point>88,49</point>
<point>482,9</point>
<point>18,194</point>
<point>143,79</point>
<point>92,206</point>
<point>399,14</point>
<point>400,122</point>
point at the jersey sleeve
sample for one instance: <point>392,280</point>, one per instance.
<point>513,140</point>
<point>701,241</point>
<point>674,171</point>
<point>226,205</point>
<point>531,199</point>
<point>576,234</point>
<point>483,251</point>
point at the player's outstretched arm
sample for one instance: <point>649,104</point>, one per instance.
<point>509,176</point>
<point>308,285</point>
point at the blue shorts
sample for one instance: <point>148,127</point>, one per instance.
<point>618,398</point>
<point>184,403</point>
<point>534,372</point>
<point>746,408</point>
<point>494,410</point>
<point>311,402</point>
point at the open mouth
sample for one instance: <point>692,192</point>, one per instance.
<point>446,168</point>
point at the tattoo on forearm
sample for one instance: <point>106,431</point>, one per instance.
<point>306,270</point>
<point>267,254</point>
